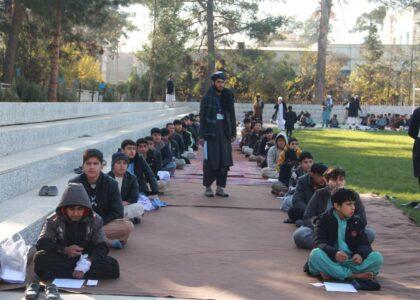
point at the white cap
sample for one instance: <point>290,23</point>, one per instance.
<point>280,98</point>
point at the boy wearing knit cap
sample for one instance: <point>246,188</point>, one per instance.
<point>128,187</point>
<point>72,243</point>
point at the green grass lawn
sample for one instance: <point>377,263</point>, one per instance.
<point>377,162</point>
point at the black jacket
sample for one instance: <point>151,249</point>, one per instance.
<point>262,149</point>
<point>354,108</point>
<point>208,111</point>
<point>318,205</point>
<point>154,160</point>
<point>166,155</point>
<point>145,176</point>
<point>174,148</point>
<point>413,131</point>
<point>180,141</point>
<point>170,87</point>
<point>105,198</point>
<point>129,187</point>
<point>303,193</point>
<point>326,232</point>
<point>59,231</point>
<point>251,139</point>
<point>291,119</point>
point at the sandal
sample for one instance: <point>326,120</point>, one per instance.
<point>43,191</point>
<point>51,292</point>
<point>52,191</point>
<point>32,291</point>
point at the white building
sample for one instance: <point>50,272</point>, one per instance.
<point>401,27</point>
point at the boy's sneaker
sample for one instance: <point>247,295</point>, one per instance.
<point>32,291</point>
<point>366,285</point>
<point>51,292</point>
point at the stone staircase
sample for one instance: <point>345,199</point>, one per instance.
<point>45,148</point>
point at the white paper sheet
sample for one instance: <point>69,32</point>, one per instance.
<point>69,283</point>
<point>339,287</point>
<point>272,180</point>
<point>317,284</point>
<point>92,283</point>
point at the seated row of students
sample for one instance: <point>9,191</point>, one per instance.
<point>98,211</point>
<point>331,219</point>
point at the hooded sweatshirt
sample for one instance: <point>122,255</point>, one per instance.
<point>59,231</point>
<point>274,152</point>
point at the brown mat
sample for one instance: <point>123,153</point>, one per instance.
<point>238,248</point>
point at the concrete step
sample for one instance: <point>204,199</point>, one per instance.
<point>12,113</point>
<point>28,170</point>
<point>26,213</point>
<point>18,138</point>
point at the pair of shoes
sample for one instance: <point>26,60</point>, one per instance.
<point>48,191</point>
<point>33,289</point>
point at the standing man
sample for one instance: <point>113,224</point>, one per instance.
<point>217,131</point>
<point>258,107</point>
<point>353,112</point>
<point>327,106</point>
<point>414,132</point>
<point>280,113</point>
<point>170,92</point>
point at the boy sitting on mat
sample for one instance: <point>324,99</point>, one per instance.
<point>128,187</point>
<point>105,198</point>
<point>342,249</point>
<point>320,202</point>
<point>72,243</point>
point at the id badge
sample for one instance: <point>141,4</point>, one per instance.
<point>220,117</point>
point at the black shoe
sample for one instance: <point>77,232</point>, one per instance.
<point>32,291</point>
<point>222,193</point>
<point>366,285</point>
<point>135,221</point>
<point>289,221</point>
<point>52,191</point>
<point>51,292</point>
<point>43,191</point>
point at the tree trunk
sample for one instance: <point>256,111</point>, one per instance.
<point>55,55</point>
<point>12,41</point>
<point>153,58</point>
<point>211,51</point>
<point>322,50</point>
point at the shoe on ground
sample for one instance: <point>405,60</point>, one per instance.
<point>32,291</point>
<point>366,285</point>
<point>135,220</point>
<point>51,292</point>
<point>221,193</point>
<point>208,192</point>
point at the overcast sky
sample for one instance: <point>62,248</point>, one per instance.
<point>345,16</point>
